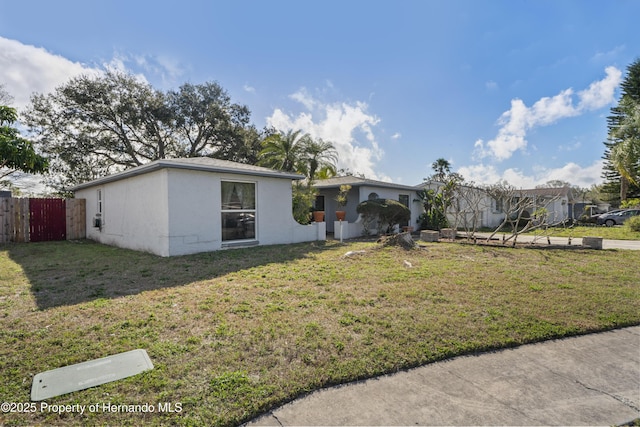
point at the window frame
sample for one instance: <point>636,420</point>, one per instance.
<point>253,211</point>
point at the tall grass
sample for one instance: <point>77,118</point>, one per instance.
<point>233,333</point>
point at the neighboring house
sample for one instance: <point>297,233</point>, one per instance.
<point>559,202</point>
<point>362,189</point>
<point>475,205</point>
<point>185,206</point>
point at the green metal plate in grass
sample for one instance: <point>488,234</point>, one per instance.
<point>89,374</point>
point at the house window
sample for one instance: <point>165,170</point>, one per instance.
<point>499,205</point>
<point>99,198</point>
<point>99,218</point>
<point>373,196</point>
<point>318,204</point>
<point>404,199</point>
<point>238,210</point>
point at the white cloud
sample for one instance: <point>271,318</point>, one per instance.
<point>491,85</point>
<point>348,126</point>
<point>396,135</point>
<point>609,55</point>
<point>26,69</point>
<point>600,93</point>
<point>248,88</point>
<point>519,119</point>
<point>573,173</point>
<point>166,68</point>
<point>303,97</point>
<point>570,147</point>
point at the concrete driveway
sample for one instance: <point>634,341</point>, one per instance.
<point>586,380</point>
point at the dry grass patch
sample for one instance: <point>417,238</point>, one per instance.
<point>234,333</point>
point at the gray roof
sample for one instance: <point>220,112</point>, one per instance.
<point>206,164</point>
<point>356,181</point>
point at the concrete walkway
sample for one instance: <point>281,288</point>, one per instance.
<point>587,380</point>
<point>577,241</point>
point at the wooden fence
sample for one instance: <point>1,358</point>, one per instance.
<point>26,220</point>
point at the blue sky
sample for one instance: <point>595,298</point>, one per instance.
<point>515,90</point>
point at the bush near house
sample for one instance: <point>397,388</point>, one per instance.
<point>388,212</point>
<point>633,224</point>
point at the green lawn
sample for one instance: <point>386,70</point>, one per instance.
<point>615,233</point>
<point>234,333</point>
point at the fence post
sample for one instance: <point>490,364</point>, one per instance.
<point>4,220</point>
<point>21,216</point>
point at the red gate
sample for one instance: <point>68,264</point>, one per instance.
<point>48,219</point>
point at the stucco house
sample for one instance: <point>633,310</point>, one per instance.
<point>361,189</point>
<point>475,205</point>
<point>190,205</point>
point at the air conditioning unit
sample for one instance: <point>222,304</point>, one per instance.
<point>97,221</point>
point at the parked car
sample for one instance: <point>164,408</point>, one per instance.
<point>617,218</point>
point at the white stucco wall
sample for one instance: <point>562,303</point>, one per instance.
<point>193,211</point>
<point>276,224</point>
<point>195,219</point>
<point>134,213</point>
<point>178,211</point>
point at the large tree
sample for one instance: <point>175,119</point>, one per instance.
<point>16,152</point>
<point>206,121</point>
<point>96,125</point>
<point>622,150</point>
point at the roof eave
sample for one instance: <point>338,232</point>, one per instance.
<point>160,164</point>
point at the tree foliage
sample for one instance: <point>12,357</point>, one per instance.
<point>96,125</point>
<point>437,201</point>
<point>303,197</point>
<point>622,148</point>
<point>283,151</point>
<point>388,212</point>
<point>295,151</point>
<point>433,216</point>
<point>17,153</point>
<point>5,97</point>
<point>442,169</point>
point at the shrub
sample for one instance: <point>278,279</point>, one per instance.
<point>630,203</point>
<point>389,212</point>
<point>633,223</point>
<point>303,197</point>
<point>342,197</point>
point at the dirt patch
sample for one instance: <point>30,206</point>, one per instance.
<point>404,240</point>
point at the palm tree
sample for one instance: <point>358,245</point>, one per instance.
<point>442,167</point>
<point>625,154</point>
<point>318,156</point>
<point>283,151</point>
<point>326,173</point>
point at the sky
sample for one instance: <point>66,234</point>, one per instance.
<point>511,90</point>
